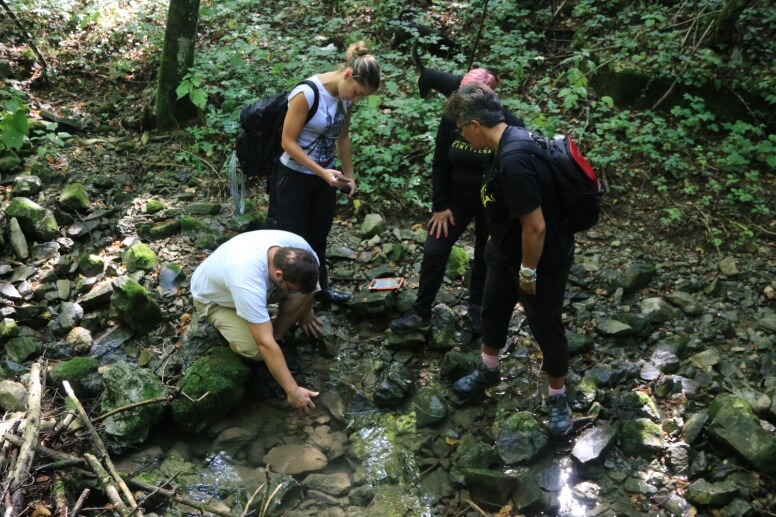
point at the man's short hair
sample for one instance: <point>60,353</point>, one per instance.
<point>299,267</point>
<point>475,102</point>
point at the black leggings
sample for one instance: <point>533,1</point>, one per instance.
<point>542,310</point>
<point>436,252</point>
<point>304,205</point>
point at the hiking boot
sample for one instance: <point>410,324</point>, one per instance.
<point>475,318</point>
<point>474,384</point>
<point>410,323</point>
<point>559,421</point>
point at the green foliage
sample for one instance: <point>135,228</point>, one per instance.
<point>14,126</point>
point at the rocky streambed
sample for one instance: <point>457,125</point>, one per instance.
<point>673,382</point>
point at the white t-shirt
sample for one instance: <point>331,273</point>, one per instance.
<point>236,274</point>
<point>318,137</point>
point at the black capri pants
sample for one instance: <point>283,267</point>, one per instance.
<point>543,310</point>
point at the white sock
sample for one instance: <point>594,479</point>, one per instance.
<point>491,361</point>
<point>552,392</point>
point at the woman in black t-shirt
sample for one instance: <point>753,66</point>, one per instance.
<point>528,257</point>
<point>457,173</point>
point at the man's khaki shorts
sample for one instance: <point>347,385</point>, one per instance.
<point>234,328</point>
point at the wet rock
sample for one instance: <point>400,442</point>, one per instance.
<point>134,306</point>
<point>232,440</point>
<point>591,445</point>
<point>332,443</point>
<point>429,406</point>
<point>366,301</point>
<point>436,486</point>
<point>457,364</point>
<point>490,488</point>
<point>521,438</point>
<point>395,383</point>
<point>472,453</point>
<point>443,328</point>
<point>13,396</point>
<point>296,459</point>
<point>408,341</point>
<point>335,485</point>
<point>37,223</point>
<point>579,343</point>
<point>126,384</point>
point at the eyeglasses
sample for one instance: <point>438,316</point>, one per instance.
<point>459,129</point>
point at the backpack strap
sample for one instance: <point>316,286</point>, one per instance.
<point>316,97</point>
<point>526,143</point>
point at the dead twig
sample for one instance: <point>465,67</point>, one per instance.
<point>106,481</point>
<point>29,441</point>
<point>134,405</point>
<point>97,442</point>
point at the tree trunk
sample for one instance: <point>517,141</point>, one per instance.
<point>725,33</point>
<point>180,36</point>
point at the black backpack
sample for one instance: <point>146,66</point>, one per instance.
<point>258,141</point>
<point>580,191</point>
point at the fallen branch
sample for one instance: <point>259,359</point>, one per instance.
<point>97,442</point>
<point>29,441</point>
<point>80,502</point>
<point>182,499</point>
<point>105,480</point>
<point>134,405</point>
<point>66,459</point>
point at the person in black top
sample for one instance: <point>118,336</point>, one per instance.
<point>528,256</point>
<point>456,178</point>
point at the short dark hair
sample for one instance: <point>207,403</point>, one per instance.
<point>299,267</point>
<point>474,102</point>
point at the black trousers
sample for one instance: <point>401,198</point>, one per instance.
<point>543,310</point>
<point>436,252</point>
<point>304,205</point>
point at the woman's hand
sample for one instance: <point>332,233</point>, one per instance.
<point>335,178</point>
<point>437,225</point>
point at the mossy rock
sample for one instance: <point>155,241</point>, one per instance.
<point>222,376</point>
<point>457,264</point>
<point>154,205</point>
<point>160,230</point>
<point>193,226</point>
<point>74,197</point>
<point>80,373</point>
<point>91,265</point>
<point>133,305</point>
<point>36,222</point>
<point>139,256</point>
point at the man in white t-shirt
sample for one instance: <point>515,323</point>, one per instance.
<point>234,285</point>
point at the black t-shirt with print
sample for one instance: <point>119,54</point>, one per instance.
<point>468,166</point>
<point>515,186</point>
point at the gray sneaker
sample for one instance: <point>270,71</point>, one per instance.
<point>410,323</point>
<point>559,422</point>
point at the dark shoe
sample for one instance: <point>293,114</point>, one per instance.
<point>332,296</point>
<point>412,322</point>
<point>559,422</point>
<point>475,318</point>
<point>474,384</point>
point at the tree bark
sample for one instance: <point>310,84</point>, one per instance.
<point>725,32</point>
<point>180,36</point>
